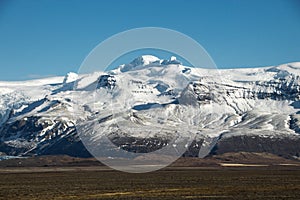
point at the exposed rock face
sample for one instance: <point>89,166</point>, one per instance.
<point>106,81</point>
<point>287,147</point>
<point>36,135</point>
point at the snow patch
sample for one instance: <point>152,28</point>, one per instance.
<point>70,77</point>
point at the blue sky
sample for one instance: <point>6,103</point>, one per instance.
<point>52,37</point>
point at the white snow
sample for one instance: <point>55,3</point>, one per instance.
<point>172,58</point>
<point>70,77</point>
<point>147,59</point>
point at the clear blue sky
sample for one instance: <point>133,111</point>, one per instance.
<point>52,37</point>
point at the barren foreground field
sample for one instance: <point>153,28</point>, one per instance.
<point>172,183</point>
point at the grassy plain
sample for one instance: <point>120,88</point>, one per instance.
<point>97,182</point>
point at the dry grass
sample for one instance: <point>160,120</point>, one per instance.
<point>173,183</point>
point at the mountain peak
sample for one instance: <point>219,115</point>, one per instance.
<point>144,60</point>
<point>147,60</point>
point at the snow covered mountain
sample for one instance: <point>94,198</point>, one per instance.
<point>150,103</point>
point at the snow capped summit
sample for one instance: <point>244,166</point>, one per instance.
<point>139,62</point>
<point>144,60</point>
<point>147,61</point>
<point>172,60</point>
